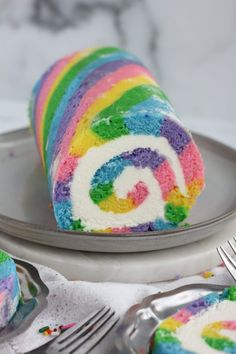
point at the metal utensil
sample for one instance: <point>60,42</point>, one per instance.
<point>228,260</point>
<point>83,337</point>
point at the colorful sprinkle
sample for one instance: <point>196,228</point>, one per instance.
<point>43,329</point>
<point>70,325</point>
<point>207,274</point>
<point>55,330</point>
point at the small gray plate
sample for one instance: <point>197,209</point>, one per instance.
<point>25,211</point>
<point>140,322</point>
<point>34,296</point>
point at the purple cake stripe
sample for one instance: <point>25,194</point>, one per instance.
<point>74,102</point>
<point>6,284</point>
<point>177,137</point>
<point>144,157</point>
<point>62,191</point>
<point>196,305</point>
<point>143,227</point>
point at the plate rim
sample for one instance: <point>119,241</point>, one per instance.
<point>6,221</point>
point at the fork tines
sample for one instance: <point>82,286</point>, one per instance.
<point>228,260</point>
<point>85,336</point>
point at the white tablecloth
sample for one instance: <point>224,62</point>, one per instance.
<point>72,301</point>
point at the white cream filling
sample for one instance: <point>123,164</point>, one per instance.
<point>190,333</point>
<point>90,214</point>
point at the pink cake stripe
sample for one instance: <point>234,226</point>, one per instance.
<point>166,178</point>
<point>46,87</point>
<point>139,193</point>
<point>190,161</point>
<point>68,165</point>
<point>229,325</point>
<point>182,316</point>
<point>2,296</point>
<point>100,88</point>
<point>121,230</point>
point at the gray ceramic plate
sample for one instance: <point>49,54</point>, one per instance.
<point>140,322</point>
<point>34,295</point>
<point>25,211</point>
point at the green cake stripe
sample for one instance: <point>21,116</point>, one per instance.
<point>231,294</point>
<point>101,192</point>
<point>109,124</point>
<point>219,343</point>
<point>63,85</point>
<point>175,214</point>
<point>4,257</point>
<point>164,335</point>
<point>77,225</point>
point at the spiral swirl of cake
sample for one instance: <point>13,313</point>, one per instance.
<point>116,156</point>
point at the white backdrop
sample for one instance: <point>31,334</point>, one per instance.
<point>189,45</point>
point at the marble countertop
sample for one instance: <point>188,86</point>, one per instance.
<point>190,47</point>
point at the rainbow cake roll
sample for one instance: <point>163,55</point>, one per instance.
<point>116,157</point>
<point>9,289</point>
<point>205,326</point>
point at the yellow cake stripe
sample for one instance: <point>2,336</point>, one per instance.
<point>175,197</point>
<point>117,205</point>
<point>171,324</point>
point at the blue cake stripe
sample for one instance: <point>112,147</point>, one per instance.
<point>142,118</point>
<point>7,268</point>
<point>63,213</point>
<point>170,348</point>
<point>110,171</point>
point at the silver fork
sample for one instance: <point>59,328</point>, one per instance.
<point>229,262</point>
<point>83,337</point>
